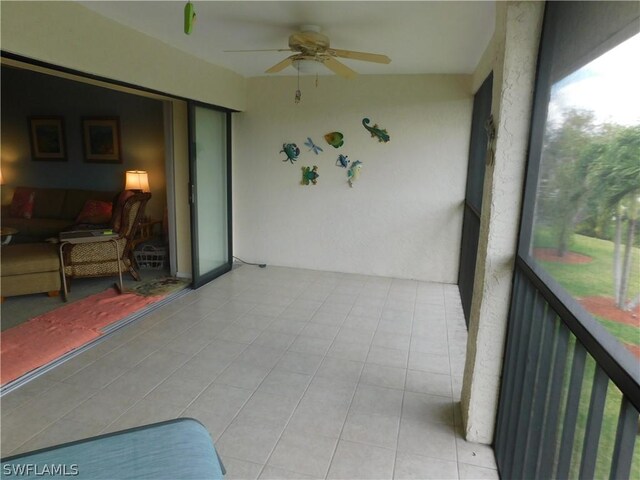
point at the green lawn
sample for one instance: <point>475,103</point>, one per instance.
<point>588,279</point>
<point>609,422</point>
<point>594,278</point>
<point>585,280</point>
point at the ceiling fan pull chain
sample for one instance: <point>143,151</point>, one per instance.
<point>316,79</point>
<point>298,96</point>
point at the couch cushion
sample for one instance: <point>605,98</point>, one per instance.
<point>22,203</point>
<point>35,228</point>
<point>29,258</point>
<point>75,200</point>
<point>48,202</point>
<point>95,212</point>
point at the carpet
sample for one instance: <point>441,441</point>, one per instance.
<point>158,286</point>
<point>46,337</point>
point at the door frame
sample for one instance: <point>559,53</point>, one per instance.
<point>198,280</point>
<point>472,209</point>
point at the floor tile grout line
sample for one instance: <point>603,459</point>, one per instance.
<point>266,463</point>
<point>236,295</point>
<point>404,390</point>
<point>97,390</point>
<point>258,387</point>
<point>355,390</point>
<point>455,428</point>
<point>156,386</point>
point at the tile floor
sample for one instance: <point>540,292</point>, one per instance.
<point>296,374</point>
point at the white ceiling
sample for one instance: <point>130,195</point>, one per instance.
<point>419,36</point>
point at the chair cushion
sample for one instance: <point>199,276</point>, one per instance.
<point>25,258</point>
<point>22,203</point>
<point>95,212</point>
<point>180,448</point>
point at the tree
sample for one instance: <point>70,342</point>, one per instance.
<point>568,154</point>
<point>614,179</point>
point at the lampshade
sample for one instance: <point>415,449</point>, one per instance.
<point>1,178</point>
<point>137,180</point>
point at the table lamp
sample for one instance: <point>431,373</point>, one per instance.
<point>137,180</point>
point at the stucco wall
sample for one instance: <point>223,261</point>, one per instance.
<point>403,216</point>
<point>515,47</point>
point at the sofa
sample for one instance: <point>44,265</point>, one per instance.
<point>54,210</point>
<point>29,268</point>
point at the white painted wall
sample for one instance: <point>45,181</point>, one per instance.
<point>70,35</point>
<point>402,218</point>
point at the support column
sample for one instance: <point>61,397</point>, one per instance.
<point>516,39</point>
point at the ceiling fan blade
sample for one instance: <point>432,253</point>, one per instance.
<point>281,65</point>
<point>264,50</point>
<point>364,56</point>
<point>339,68</point>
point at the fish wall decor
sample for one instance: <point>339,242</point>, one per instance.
<point>354,172</point>
<point>291,150</point>
<point>376,131</point>
<point>312,146</point>
<point>335,139</point>
<point>342,161</point>
<point>309,175</point>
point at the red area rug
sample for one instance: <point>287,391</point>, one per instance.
<point>46,337</point>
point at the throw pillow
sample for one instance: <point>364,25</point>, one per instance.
<point>22,203</point>
<point>116,221</point>
<point>95,212</point>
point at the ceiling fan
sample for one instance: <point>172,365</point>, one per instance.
<point>311,45</point>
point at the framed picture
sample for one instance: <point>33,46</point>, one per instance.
<point>47,138</point>
<point>101,139</point>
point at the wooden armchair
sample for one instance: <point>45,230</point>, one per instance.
<point>98,259</point>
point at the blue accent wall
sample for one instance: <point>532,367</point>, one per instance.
<point>26,93</point>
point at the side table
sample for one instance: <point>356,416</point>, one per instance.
<point>145,231</point>
<point>6,233</point>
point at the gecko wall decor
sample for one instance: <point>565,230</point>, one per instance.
<point>376,132</point>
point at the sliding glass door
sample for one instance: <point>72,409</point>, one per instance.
<point>210,196</point>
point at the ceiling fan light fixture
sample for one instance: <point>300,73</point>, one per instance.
<point>308,66</point>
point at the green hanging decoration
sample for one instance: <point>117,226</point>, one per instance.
<point>189,18</point>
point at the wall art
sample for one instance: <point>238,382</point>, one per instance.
<point>309,175</point>
<point>342,161</point>
<point>354,172</point>
<point>376,131</point>
<point>312,146</point>
<point>101,139</point>
<point>335,139</point>
<point>291,150</point>
<point>47,138</point>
